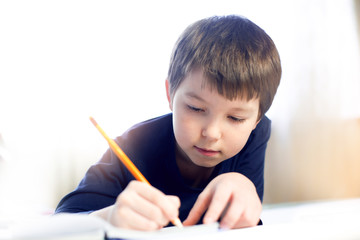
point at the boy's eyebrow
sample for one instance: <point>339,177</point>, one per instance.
<point>240,109</point>
<point>245,110</point>
<point>194,95</point>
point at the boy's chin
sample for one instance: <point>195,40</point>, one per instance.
<point>206,163</point>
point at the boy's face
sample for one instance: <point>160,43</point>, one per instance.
<point>208,127</point>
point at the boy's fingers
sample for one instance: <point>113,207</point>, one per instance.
<point>232,216</point>
<point>137,221</point>
<point>218,204</point>
<point>237,216</point>
<point>199,208</point>
<point>159,199</point>
<point>174,199</point>
<point>132,200</point>
<point>169,208</point>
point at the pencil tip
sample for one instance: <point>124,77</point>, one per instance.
<point>177,223</point>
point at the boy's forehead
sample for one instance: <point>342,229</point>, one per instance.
<point>197,77</point>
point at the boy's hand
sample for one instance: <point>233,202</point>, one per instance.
<point>231,197</point>
<point>141,207</point>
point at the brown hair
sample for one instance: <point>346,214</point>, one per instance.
<point>237,58</point>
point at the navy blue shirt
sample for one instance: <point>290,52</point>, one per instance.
<point>151,147</point>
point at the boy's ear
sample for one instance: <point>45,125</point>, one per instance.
<point>168,93</point>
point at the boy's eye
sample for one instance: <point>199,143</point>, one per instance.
<point>235,119</point>
<point>195,109</point>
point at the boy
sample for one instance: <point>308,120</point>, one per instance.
<point>208,154</point>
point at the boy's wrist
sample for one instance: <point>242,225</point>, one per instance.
<point>103,213</point>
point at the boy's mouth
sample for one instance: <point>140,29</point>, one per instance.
<point>206,152</point>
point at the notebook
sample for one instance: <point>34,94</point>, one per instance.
<point>83,226</point>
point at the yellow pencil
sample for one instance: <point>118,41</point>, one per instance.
<point>127,162</point>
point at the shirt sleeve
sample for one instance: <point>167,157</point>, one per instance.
<point>105,180</point>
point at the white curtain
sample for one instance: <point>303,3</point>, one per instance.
<point>314,149</point>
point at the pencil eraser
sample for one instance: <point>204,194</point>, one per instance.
<point>93,121</point>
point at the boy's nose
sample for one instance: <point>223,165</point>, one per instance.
<point>212,130</point>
